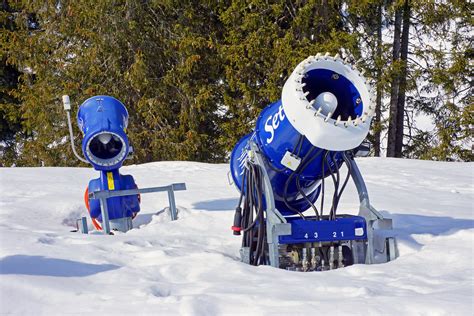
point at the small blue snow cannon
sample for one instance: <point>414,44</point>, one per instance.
<point>103,121</point>
<point>113,199</point>
<point>281,167</point>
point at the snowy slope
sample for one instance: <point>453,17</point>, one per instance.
<point>191,266</point>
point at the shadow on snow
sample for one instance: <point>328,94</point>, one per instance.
<point>406,225</point>
<point>39,265</point>
<point>217,205</point>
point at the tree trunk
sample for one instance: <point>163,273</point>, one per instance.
<point>378,100</point>
<point>323,18</point>
<point>403,79</point>
<point>392,127</point>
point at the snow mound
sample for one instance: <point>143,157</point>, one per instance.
<point>191,266</point>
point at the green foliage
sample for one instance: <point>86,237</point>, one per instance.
<point>442,81</point>
<point>194,75</point>
<point>10,119</point>
<point>156,57</point>
<point>262,45</point>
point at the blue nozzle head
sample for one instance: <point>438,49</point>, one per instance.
<point>103,120</point>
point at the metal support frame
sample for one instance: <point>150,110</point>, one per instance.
<point>380,237</point>
<point>276,222</point>
<point>277,225</point>
<point>103,195</point>
<point>81,224</point>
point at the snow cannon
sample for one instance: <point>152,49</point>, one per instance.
<point>103,121</point>
<point>113,199</point>
<point>282,168</point>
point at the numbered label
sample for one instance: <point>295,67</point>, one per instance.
<point>334,234</point>
<point>315,235</point>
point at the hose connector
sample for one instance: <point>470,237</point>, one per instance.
<point>237,221</point>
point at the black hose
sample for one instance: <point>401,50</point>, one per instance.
<point>285,198</point>
<point>303,165</point>
<point>336,186</point>
<point>298,185</point>
<point>299,145</point>
<point>349,170</point>
<point>271,166</point>
<point>322,181</point>
<point>253,224</point>
<point>285,189</point>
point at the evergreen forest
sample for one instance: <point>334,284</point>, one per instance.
<point>195,75</point>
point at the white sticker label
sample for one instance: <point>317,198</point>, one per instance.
<point>290,161</point>
<point>359,231</point>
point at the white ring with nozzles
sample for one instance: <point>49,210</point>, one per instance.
<point>315,120</point>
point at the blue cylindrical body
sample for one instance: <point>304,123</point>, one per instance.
<point>325,109</point>
<point>120,206</point>
<point>275,135</point>
<point>103,120</point>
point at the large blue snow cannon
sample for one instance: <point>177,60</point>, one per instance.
<point>103,121</point>
<point>280,169</point>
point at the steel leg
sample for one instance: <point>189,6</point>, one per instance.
<point>105,216</point>
<point>82,225</point>
<point>173,211</point>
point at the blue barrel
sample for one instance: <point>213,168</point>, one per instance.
<point>275,136</point>
<point>325,109</point>
<point>103,120</point>
<point>120,206</point>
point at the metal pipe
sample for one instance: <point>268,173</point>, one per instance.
<point>71,137</point>
<point>331,257</point>
<point>105,216</point>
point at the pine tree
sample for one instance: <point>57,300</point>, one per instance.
<point>367,19</point>
<point>262,45</point>
<point>195,75</point>
<point>443,85</point>
<point>10,114</point>
<point>395,131</point>
<point>158,58</point>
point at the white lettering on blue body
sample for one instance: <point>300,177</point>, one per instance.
<point>273,122</point>
<point>244,155</point>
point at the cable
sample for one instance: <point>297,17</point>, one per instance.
<point>299,144</point>
<point>336,180</point>
<point>338,193</point>
<point>261,236</point>
<point>298,185</point>
<point>252,220</point>
<point>271,166</point>
<point>322,182</point>
<point>349,170</point>
<point>287,183</point>
<point>285,198</point>
<point>303,165</point>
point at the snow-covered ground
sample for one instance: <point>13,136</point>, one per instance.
<point>191,266</point>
